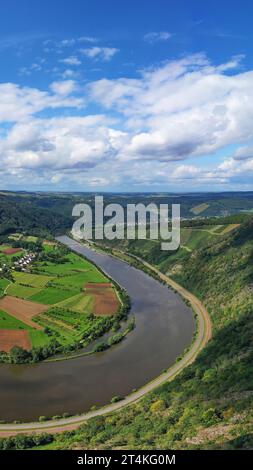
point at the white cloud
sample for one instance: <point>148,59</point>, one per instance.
<point>67,42</point>
<point>184,108</point>
<point>64,88</point>
<point>90,39</point>
<point>157,36</point>
<point>102,53</point>
<point>167,116</point>
<point>17,103</point>
<point>244,153</point>
<point>59,143</point>
<point>69,74</point>
<point>71,60</point>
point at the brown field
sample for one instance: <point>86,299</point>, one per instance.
<point>92,285</point>
<point>23,310</point>
<point>11,338</point>
<point>49,242</point>
<point>229,228</point>
<point>12,251</point>
<point>106,301</point>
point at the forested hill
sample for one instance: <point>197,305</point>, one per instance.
<point>21,215</point>
<point>222,275</point>
<point>210,405</point>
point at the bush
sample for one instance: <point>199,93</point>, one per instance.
<point>158,405</point>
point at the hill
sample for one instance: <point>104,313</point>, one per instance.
<point>22,215</point>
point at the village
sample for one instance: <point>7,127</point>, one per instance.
<point>22,264</point>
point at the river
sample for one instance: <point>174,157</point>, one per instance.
<point>164,328</point>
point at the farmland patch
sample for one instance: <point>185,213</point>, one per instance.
<point>34,280</point>
<point>106,301</point>
<point>24,292</point>
<point>52,295</point>
<point>23,310</point>
<point>11,338</point>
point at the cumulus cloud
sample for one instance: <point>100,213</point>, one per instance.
<point>60,143</point>
<point>102,53</point>
<point>184,108</point>
<point>64,88</point>
<point>244,153</point>
<point>17,103</point>
<point>149,129</point>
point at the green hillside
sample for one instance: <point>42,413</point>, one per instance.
<point>21,215</point>
<point>210,404</point>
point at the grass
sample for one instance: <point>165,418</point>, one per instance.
<point>73,263</point>
<point>15,236</point>
<point>5,247</point>
<point>78,303</point>
<point>39,338</point>
<point>78,280</point>
<point>31,239</point>
<point>51,295</point>
<point>8,259</point>
<point>7,322</point>
<point>34,280</point>
<point>4,283</point>
<point>24,292</point>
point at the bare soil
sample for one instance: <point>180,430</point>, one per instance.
<point>23,310</point>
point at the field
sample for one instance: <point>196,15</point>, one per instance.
<point>199,209</point>
<point>7,254</point>
<point>52,295</point>
<point>19,290</point>
<point>33,280</point>
<point>50,302</point>
<point>78,303</point>
<point>3,284</point>
<point>23,310</point>
<point>106,301</point>
<point>9,338</point>
<point>11,251</point>
<point>9,322</point>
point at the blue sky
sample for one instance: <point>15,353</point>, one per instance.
<point>126,96</point>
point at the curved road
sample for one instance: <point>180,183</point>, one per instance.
<point>67,424</point>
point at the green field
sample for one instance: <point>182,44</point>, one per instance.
<point>78,280</point>
<point>57,279</point>
<point>15,236</point>
<point>7,259</point>
<point>51,295</point>
<point>33,280</point>
<point>24,292</point>
<point>4,247</point>
<point>7,322</point>
<point>4,283</point>
<point>39,338</point>
<point>78,303</point>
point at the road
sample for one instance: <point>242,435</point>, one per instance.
<point>66,424</point>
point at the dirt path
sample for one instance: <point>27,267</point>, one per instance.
<point>203,336</point>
